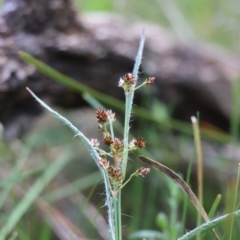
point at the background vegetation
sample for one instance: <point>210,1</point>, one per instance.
<point>201,20</point>
<point>60,172</point>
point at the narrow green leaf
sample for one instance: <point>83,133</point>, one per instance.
<point>209,225</point>
<point>215,206</point>
<point>95,156</point>
<point>71,83</point>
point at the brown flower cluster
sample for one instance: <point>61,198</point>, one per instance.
<point>101,116</point>
<point>136,143</point>
<point>139,142</point>
<point>104,163</point>
<point>149,80</point>
<point>127,81</point>
<point>117,144</point>
<point>142,172</point>
<point>115,174</point>
<point>105,115</point>
<point>107,139</point>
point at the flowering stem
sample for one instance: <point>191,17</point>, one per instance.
<point>143,84</point>
<point>128,106</point>
<point>128,110</point>
<point>129,179</point>
<point>103,152</point>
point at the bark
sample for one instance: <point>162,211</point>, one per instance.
<point>96,50</point>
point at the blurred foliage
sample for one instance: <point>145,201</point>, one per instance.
<point>213,21</point>
<point>149,202</point>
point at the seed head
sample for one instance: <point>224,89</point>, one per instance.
<point>103,163</point>
<point>127,81</point>
<point>101,116</point>
<point>143,171</point>
<point>149,80</point>
<point>117,144</point>
<point>139,142</point>
<point>107,139</point>
<point>115,174</point>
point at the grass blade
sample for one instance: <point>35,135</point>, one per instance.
<point>209,225</point>
<point>95,156</point>
<point>181,183</point>
<point>234,124</point>
<point>198,147</point>
<point>33,193</point>
<point>71,83</point>
<point>215,206</point>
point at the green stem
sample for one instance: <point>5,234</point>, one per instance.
<point>128,111</point>
<point>129,179</point>
<point>143,84</point>
<point>103,152</point>
<point>197,140</point>
<point>128,106</point>
<point>117,216</point>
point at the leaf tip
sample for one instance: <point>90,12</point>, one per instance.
<point>29,90</point>
<point>194,120</point>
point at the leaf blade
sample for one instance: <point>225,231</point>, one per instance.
<point>181,183</point>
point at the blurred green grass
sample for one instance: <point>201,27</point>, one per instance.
<point>202,20</point>
<point>213,21</point>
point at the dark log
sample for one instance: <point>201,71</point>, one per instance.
<point>97,50</point>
